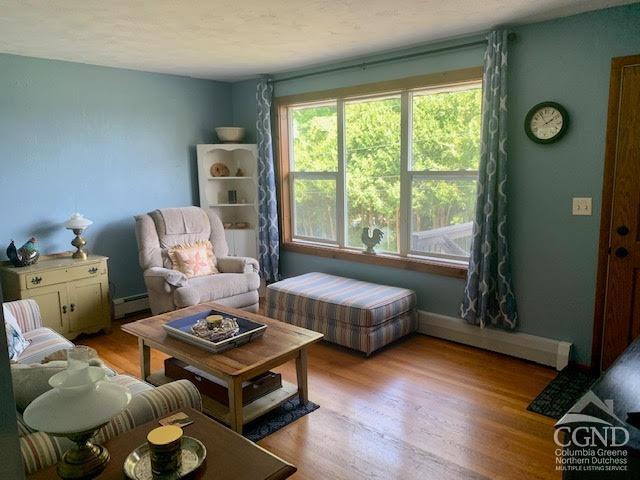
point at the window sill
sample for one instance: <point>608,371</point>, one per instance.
<point>405,263</point>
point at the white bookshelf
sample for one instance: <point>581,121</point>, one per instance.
<point>243,242</point>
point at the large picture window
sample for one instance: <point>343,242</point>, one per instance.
<point>404,160</point>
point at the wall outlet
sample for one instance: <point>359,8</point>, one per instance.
<point>581,206</point>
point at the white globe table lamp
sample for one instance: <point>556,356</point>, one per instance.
<point>80,403</point>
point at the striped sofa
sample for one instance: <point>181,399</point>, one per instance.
<point>360,315</point>
<point>40,450</point>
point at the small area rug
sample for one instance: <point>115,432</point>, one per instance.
<point>271,422</point>
<point>562,392</point>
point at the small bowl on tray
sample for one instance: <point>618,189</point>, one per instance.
<point>181,328</point>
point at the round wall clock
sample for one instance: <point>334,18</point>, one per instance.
<point>546,122</point>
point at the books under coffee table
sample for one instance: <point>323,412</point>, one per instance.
<point>279,344</point>
<point>216,389</point>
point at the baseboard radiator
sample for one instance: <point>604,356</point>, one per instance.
<point>546,351</point>
<point>132,304</point>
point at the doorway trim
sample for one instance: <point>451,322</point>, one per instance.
<point>617,65</point>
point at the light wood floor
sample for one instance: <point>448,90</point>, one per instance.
<point>422,408</point>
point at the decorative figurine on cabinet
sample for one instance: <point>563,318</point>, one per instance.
<point>24,256</point>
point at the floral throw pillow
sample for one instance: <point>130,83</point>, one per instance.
<point>15,341</point>
<point>194,259</point>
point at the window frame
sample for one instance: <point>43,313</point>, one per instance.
<point>433,174</point>
<point>406,258</point>
<point>310,175</point>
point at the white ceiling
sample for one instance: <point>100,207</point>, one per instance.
<point>233,39</point>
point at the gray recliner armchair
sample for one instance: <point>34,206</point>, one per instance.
<point>235,286</point>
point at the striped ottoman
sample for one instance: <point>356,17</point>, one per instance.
<point>360,315</point>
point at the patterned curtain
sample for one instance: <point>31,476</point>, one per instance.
<point>268,240</point>
<point>488,295</point>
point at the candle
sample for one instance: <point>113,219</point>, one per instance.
<point>214,321</point>
<point>164,447</point>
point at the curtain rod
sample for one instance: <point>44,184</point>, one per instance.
<point>407,56</point>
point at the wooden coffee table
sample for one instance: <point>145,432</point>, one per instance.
<point>229,455</point>
<point>279,344</point>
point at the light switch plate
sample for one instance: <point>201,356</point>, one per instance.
<point>581,206</point>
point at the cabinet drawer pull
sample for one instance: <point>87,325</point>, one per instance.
<point>36,280</point>
<point>64,309</point>
<point>93,270</point>
<point>73,307</point>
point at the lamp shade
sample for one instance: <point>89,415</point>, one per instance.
<point>80,400</point>
<point>77,221</point>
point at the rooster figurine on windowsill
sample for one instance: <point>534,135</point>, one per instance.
<point>371,240</point>
<point>24,256</point>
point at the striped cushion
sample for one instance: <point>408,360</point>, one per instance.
<point>363,339</point>
<point>134,385</point>
<point>125,421</point>
<point>27,313</point>
<point>23,428</point>
<point>44,341</point>
<point>159,401</point>
<point>319,295</point>
<point>152,404</point>
<point>40,450</point>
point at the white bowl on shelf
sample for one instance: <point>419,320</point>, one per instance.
<point>230,134</point>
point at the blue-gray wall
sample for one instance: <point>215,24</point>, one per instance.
<point>106,142</point>
<point>243,96</point>
<point>554,253</point>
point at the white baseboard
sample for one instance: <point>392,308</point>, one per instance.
<point>132,304</point>
<point>542,350</point>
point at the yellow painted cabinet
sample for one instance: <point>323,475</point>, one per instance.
<point>87,306</point>
<point>52,301</point>
<point>73,295</point>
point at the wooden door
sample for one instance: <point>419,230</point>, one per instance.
<point>618,288</point>
<point>54,306</point>
<point>87,305</point>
